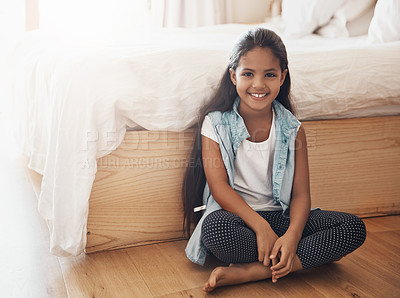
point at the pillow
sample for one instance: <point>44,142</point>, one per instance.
<point>353,9</point>
<point>351,19</point>
<point>360,25</point>
<point>303,17</point>
<point>385,24</point>
<point>335,28</point>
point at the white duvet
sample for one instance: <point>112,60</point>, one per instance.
<point>74,99</point>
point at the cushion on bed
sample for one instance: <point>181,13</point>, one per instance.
<point>360,25</point>
<point>351,19</point>
<point>303,17</point>
<point>385,24</point>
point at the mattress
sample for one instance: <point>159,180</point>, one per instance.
<point>74,99</point>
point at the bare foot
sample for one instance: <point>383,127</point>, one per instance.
<point>236,274</point>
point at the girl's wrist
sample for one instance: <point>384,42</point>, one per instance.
<point>295,232</point>
<point>261,226</point>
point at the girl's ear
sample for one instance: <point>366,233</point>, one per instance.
<point>283,76</point>
<point>233,76</point>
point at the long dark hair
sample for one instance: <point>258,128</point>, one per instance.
<point>194,179</point>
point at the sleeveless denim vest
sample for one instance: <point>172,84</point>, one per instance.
<point>231,131</point>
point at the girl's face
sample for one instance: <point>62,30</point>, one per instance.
<point>258,79</point>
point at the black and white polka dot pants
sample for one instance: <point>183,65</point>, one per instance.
<point>327,236</point>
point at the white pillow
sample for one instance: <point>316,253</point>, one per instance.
<point>385,24</point>
<point>351,19</point>
<point>352,9</point>
<point>303,17</point>
<point>334,29</point>
<point>360,25</point>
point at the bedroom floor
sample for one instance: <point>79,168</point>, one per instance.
<point>29,270</point>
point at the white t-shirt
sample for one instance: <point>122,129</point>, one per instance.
<point>253,168</point>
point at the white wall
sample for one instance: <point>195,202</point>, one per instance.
<point>12,26</point>
<point>250,11</point>
<point>92,17</point>
<point>12,23</point>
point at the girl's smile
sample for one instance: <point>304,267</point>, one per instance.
<point>258,96</point>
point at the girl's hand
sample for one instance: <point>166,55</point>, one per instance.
<point>284,249</point>
<point>266,238</point>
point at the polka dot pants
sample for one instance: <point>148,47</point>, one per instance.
<point>327,236</point>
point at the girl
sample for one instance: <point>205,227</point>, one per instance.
<point>250,170</point>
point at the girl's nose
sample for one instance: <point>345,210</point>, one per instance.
<point>258,83</point>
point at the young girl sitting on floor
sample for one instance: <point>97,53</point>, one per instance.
<point>250,170</point>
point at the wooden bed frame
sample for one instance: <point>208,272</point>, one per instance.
<point>135,200</point>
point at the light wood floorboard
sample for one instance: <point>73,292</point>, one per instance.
<point>162,270</point>
<point>103,275</point>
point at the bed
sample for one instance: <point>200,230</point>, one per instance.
<point>107,126</point>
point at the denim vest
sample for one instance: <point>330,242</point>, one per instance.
<point>231,131</point>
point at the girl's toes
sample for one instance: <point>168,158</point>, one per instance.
<point>208,287</point>
<point>211,284</point>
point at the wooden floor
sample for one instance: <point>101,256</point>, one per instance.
<point>27,269</point>
<point>163,271</point>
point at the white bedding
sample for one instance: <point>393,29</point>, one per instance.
<point>74,99</point>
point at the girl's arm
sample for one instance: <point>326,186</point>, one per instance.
<point>301,200</point>
<point>231,201</point>
<point>300,205</point>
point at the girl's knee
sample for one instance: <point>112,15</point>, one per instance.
<point>226,236</point>
<point>217,229</point>
<point>355,228</point>
<point>359,226</point>
<point>352,227</point>
<point>220,219</point>
<point>354,220</point>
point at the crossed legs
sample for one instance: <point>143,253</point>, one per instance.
<point>327,236</point>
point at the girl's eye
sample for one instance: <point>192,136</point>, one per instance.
<point>270,75</point>
<point>247,74</point>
